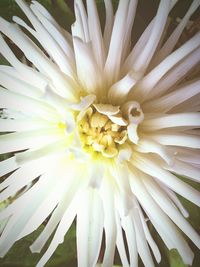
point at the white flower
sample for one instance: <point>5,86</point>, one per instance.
<point>99,130</point>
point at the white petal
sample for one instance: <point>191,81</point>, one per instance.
<point>151,168</point>
<point>129,25</point>
<point>20,71</point>
<point>117,119</point>
<point>130,233</point>
<point>118,92</point>
<point>172,120</point>
<point>154,76</point>
<point>53,29</point>
<point>191,156</point>
<point>64,84</point>
<point>143,59</point>
<point>84,19</point>
<point>168,232</point>
<point>67,203</point>
<point>7,165</point>
<point>184,169</point>
<point>44,150</point>
<point>149,238</point>
<point>124,197</point>
<point>108,24</point>
<point>89,228</point>
<point>44,12</point>
<point>22,177</point>
<point>109,228</point>
<point>96,173</point>
<point>167,206</point>
<point>107,109</point>
<point>172,40</point>
<point>175,75</point>
<point>132,133</point>
<point>175,199</point>
<point>25,206</point>
<point>47,41</point>
<point>58,102</point>
<point>19,86</point>
<point>84,103</point>
<point>125,153</point>
<point>133,112</point>
<point>113,61</point>
<point>120,243</point>
<point>63,227</point>
<point>177,139</point>
<point>141,241</point>
<point>27,105</point>
<point>10,125</point>
<point>95,33</point>
<point>167,102</point>
<point>87,68</point>
<point>77,27</point>
<point>137,49</point>
<point>46,207</point>
<point>149,146</point>
<point>139,46</point>
<point>29,139</point>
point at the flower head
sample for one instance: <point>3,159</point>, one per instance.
<point>99,129</point>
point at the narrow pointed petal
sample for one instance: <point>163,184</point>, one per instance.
<point>176,74</point>
<point>29,139</point>
<point>166,230</point>
<point>154,76</point>
<point>20,70</point>
<point>7,165</point>
<point>170,210</point>
<point>67,203</point>
<point>37,57</point>
<point>170,180</point>
<point>89,228</point>
<point>118,92</point>
<point>130,233</point>
<point>109,223</point>
<point>95,33</point>
<point>108,24</point>
<point>81,12</point>
<point>149,238</point>
<point>185,169</point>
<point>45,38</point>
<point>141,241</point>
<point>63,227</point>
<point>173,120</point>
<point>143,59</point>
<point>87,68</point>
<point>172,40</point>
<point>167,102</point>
<point>177,139</point>
<point>120,243</point>
<point>113,61</point>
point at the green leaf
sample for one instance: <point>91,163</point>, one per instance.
<point>3,61</point>
<point>63,14</point>
<point>175,259</point>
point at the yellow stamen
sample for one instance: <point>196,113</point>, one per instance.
<point>100,135</point>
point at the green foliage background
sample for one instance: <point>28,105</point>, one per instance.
<point>65,255</point>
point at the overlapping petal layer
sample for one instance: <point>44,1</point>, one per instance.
<point>99,129</point>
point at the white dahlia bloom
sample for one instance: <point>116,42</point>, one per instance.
<point>99,128</point>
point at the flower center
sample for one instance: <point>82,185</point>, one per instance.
<point>99,134</point>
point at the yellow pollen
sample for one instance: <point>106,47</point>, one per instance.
<point>100,135</point>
